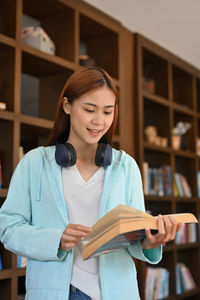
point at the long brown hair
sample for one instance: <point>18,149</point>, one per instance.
<point>78,84</point>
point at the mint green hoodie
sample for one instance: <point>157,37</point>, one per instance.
<point>34,216</point>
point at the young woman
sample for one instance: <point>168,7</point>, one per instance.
<point>58,192</point>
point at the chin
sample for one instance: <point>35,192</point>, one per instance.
<point>93,141</point>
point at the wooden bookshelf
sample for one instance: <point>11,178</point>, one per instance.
<point>29,116</point>
<point>168,91</point>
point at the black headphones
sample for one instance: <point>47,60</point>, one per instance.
<point>65,155</point>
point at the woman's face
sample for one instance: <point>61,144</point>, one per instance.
<point>91,116</point>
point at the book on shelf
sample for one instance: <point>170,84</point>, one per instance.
<point>156,283</point>
<point>181,186</point>
<point>21,261</point>
<point>184,279</point>
<point>187,234</point>
<point>120,227</point>
<point>157,181</point>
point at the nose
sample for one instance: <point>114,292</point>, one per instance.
<point>98,118</point>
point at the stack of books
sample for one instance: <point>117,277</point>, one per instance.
<point>157,283</point>
<point>181,186</point>
<point>187,234</point>
<point>184,279</point>
<point>157,181</point>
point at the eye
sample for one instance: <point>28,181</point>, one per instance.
<point>107,112</point>
<point>89,110</point>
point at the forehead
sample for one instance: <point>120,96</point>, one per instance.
<point>101,96</point>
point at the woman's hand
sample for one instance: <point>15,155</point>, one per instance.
<point>167,229</point>
<point>72,235</point>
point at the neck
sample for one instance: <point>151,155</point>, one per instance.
<point>84,152</point>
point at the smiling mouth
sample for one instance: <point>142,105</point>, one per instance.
<point>94,131</point>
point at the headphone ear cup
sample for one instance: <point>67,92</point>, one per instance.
<point>65,155</point>
<point>103,155</point>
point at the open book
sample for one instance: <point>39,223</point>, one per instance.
<point>120,227</point>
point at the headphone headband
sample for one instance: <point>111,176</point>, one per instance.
<point>65,155</point>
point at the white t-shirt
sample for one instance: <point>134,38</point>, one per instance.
<point>83,203</point>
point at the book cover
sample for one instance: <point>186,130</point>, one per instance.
<point>187,280</point>
<point>178,280</point>
<point>21,261</point>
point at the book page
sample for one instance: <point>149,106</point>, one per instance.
<point>119,212</point>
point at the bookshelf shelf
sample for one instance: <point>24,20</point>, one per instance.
<point>153,147</point>
<point>186,246</point>
<point>161,102</point>
<point>31,81</point>
<point>34,121</point>
<point>57,21</point>
<point>184,154</point>
<point>192,294</point>
<point>156,98</point>
<point>20,271</point>
<point>7,115</point>
<point>185,199</point>
<point>6,42</point>
<point>183,109</point>
<point>48,63</point>
<point>5,274</point>
<point>160,198</point>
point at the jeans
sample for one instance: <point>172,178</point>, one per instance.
<point>76,294</point>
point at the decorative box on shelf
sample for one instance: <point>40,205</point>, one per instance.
<point>2,105</point>
<point>37,37</point>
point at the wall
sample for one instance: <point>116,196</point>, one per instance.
<point>174,24</point>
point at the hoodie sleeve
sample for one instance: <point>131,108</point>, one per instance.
<point>136,200</point>
<point>16,232</point>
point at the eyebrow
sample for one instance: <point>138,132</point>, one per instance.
<point>94,105</point>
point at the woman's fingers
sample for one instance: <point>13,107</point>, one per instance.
<point>67,237</point>
<point>167,229</point>
<point>80,227</point>
<point>73,234</point>
<point>173,228</point>
<point>77,230</point>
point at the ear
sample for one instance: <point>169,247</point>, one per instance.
<point>66,106</point>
